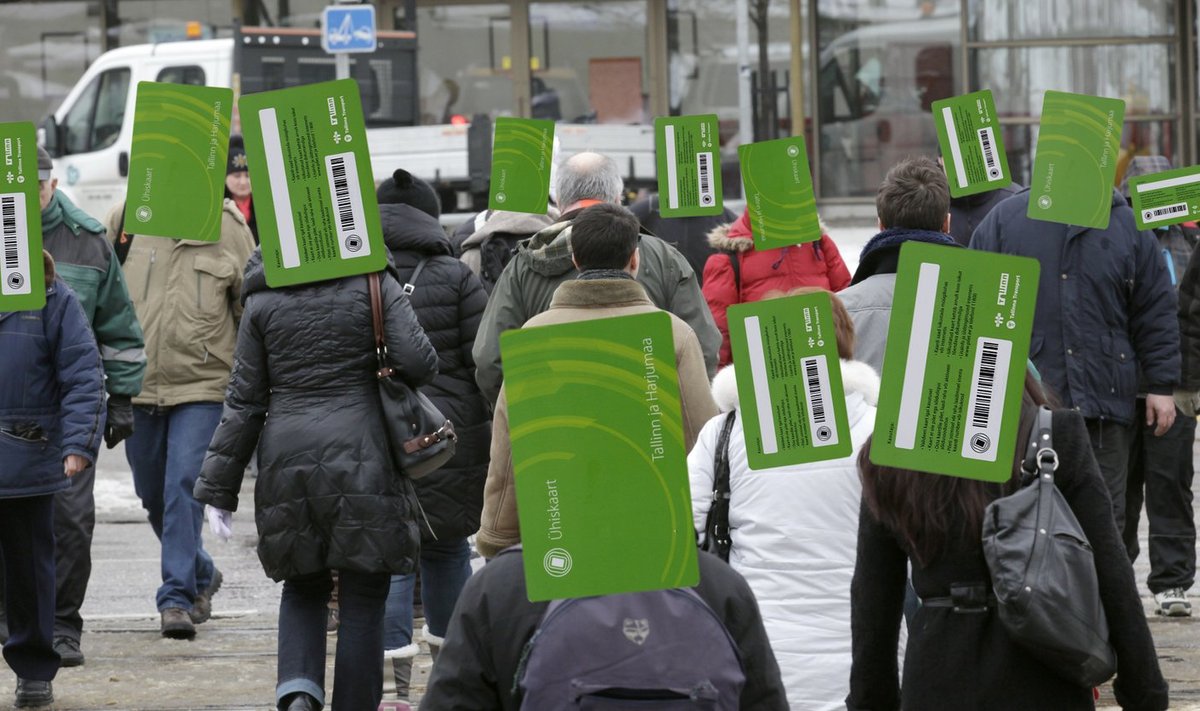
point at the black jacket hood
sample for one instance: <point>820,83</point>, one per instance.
<point>407,228</point>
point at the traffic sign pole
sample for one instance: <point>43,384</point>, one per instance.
<point>342,65</point>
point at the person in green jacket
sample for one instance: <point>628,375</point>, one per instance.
<point>541,264</point>
<point>86,262</point>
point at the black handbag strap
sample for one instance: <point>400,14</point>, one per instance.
<point>1040,458</point>
<point>411,285</point>
<point>384,370</point>
<point>716,527</point>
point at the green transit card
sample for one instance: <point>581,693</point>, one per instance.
<point>598,457</point>
<point>789,381</point>
<point>954,368</point>
<point>969,134</point>
<point>689,165</point>
<point>521,156</point>
<point>22,272</point>
<point>1166,198</point>
<point>1079,139</point>
<point>779,192</point>
<point>177,162</point>
<point>314,191</point>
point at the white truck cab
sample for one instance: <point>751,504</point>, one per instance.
<point>91,132</point>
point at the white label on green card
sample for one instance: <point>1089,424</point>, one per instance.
<point>1166,198</point>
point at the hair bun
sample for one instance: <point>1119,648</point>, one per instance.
<point>403,179</point>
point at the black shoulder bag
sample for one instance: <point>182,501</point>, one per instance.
<point>716,526</point>
<point>1043,572</point>
<point>420,438</point>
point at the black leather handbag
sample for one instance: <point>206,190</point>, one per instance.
<point>420,437</point>
<point>1043,571</point>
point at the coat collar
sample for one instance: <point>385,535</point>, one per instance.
<point>597,293</point>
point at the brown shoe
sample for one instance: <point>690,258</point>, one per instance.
<point>176,624</point>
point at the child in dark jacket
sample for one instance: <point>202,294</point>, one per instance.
<point>52,415</point>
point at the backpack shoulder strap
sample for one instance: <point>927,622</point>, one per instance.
<point>411,285</point>
<point>737,273</point>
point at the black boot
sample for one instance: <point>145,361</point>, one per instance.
<point>32,693</point>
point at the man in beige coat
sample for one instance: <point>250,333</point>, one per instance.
<point>604,243</point>
<point>187,294</point>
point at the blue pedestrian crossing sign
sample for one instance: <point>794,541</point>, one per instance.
<point>348,28</point>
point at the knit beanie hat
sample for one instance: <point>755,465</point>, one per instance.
<point>237,155</point>
<point>404,188</point>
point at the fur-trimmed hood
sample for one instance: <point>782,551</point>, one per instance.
<point>48,263</point>
<point>857,378</point>
<point>736,236</point>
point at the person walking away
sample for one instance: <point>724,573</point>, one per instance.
<point>481,663</point>
<point>795,530</point>
<point>528,283</point>
<point>490,246</point>
<point>687,234</point>
<point>1162,465</point>
<point>187,295</point>
<point>963,651</point>
<point>738,273</point>
<point>304,395</point>
<point>1105,312</point>
<point>912,205</point>
<point>968,211</point>
<point>449,301</point>
<point>237,183</point>
<point>86,263</point>
<point>52,416</point>
<point>606,254</point>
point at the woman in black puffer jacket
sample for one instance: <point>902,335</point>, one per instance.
<point>327,496</point>
<point>449,300</point>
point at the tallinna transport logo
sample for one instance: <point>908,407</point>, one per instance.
<point>557,562</point>
<point>144,213</point>
<point>1045,202</point>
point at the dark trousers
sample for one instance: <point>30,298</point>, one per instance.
<point>27,547</point>
<point>1111,442</point>
<point>74,523</point>
<point>357,670</point>
<point>1163,466</point>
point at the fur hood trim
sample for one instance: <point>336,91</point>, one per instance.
<point>857,377</point>
<point>48,266</point>
<point>719,238</point>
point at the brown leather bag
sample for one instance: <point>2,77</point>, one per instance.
<point>420,438</point>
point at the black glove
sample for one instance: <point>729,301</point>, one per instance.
<point>120,420</point>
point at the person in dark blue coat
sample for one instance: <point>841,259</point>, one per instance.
<point>1105,308</point>
<point>52,416</point>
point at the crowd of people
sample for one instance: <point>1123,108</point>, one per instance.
<point>848,585</point>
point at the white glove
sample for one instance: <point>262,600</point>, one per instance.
<point>220,522</point>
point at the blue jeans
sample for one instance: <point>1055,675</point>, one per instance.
<point>357,672</point>
<point>445,567</point>
<point>165,453</point>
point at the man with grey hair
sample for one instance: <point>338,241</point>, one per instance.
<point>541,264</point>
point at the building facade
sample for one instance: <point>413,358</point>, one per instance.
<point>857,77</point>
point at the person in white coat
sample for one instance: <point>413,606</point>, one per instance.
<point>795,533</point>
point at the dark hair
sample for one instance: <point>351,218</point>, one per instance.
<point>604,236</point>
<point>843,325</point>
<point>931,513</point>
<point>914,195</point>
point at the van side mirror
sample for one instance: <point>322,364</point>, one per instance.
<point>51,136</point>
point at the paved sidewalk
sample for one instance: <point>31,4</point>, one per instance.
<point>231,663</point>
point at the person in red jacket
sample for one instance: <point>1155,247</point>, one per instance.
<point>739,274</point>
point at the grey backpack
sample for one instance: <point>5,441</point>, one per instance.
<point>1043,573</point>
<point>664,650</point>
